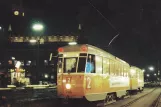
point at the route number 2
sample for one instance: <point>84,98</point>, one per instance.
<point>88,82</point>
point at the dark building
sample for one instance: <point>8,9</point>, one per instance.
<point>17,45</point>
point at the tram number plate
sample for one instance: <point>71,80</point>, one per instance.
<point>68,79</point>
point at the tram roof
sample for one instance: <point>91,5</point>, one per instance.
<point>90,49</point>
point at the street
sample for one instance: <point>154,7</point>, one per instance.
<point>144,99</point>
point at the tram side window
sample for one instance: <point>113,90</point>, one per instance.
<point>125,70</point>
<point>117,68</point>
<point>121,69</point>
<point>90,65</point>
<point>99,64</point>
<point>106,63</point>
<point>112,67</point>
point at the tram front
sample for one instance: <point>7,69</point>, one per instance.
<point>70,72</point>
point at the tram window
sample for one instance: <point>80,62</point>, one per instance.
<point>90,65</point>
<point>70,65</point>
<point>81,64</point>
<point>112,67</point>
<point>105,66</point>
<point>117,67</point>
<point>124,70</point>
<point>98,64</point>
<point>121,71</point>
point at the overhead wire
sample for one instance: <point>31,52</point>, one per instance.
<point>108,21</point>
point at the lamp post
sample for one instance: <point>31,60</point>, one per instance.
<point>151,68</point>
<point>37,27</point>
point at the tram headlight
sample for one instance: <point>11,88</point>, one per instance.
<point>68,86</point>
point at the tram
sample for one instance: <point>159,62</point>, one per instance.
<point>87,72</point>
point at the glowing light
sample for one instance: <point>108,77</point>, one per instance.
<point>132,71</point>
<point>147,75</point>
<point>64,81</point>
<point>155,74</point>
<point>46,76</point>
<point>60,50</point>
<point>143,70</point>
<point>18,64</point>
<point>59,70</point>
<point>84,48</point>
<point>38,27</point>
<point>68,86</point>
<point>0,28</point>
<point>16,13</point>
<point>151,68</point>
<point>72,43</point>
<point>23,14</point>
<point>33,41</point>
<point>13,58</point>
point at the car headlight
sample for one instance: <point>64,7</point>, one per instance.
<point>68,86</point>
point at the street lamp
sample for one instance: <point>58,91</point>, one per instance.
<point>151,68</point>
<point>32,41</point>
<point>155,74</point>
<point>38,27</point>
<point>0,28</point>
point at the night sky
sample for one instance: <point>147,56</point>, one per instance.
<point>137,21</point>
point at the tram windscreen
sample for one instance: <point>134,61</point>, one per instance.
<point>81,64</point>
<point>70,65</point>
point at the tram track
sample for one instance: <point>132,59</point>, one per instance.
<point>157,102</point>
<point>135,100</point>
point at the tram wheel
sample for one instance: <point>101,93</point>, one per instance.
<point>110,98</point>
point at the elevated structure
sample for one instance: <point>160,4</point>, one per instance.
<point>43,39</point>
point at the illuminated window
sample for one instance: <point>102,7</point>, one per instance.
<point>98,64</point>
<point>23,14</point>
<point>106,66</point>
<point>112,67</point>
